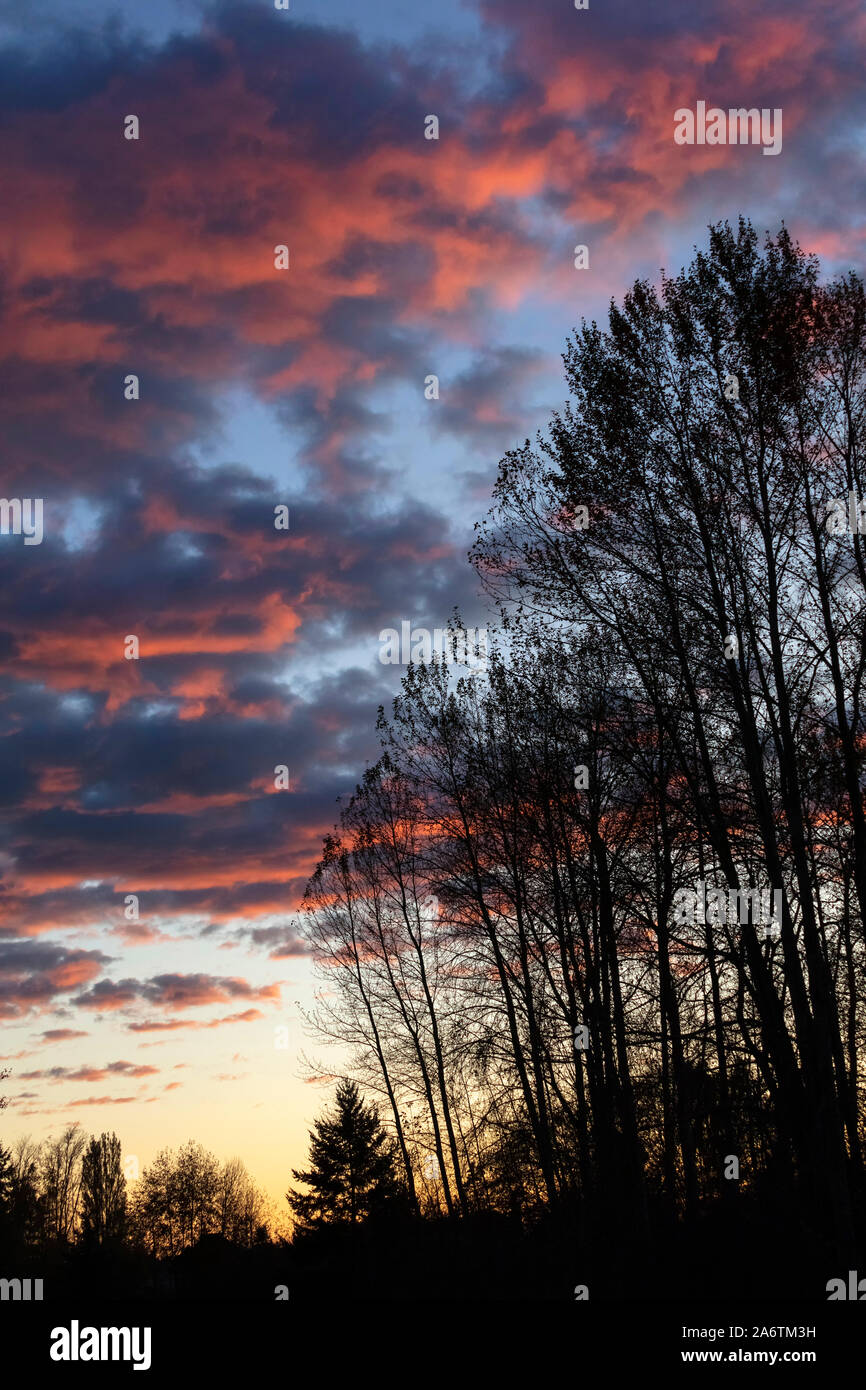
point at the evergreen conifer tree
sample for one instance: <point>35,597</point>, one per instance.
<point>352,1174</point>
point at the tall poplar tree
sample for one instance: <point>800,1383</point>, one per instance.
<point>103,1191</point>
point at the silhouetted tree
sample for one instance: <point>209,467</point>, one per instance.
<point>103,1191</point>
<point>186,1195</point>
<point>353,1173</point>
<point>60,1182</point>
<point>6,1188</point>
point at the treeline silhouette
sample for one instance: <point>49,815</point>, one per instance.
<point>68,1216</point>
<point>522,923</point>
<point>192,1228</point>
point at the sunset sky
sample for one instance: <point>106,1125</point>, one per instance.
<point>303,387</point>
